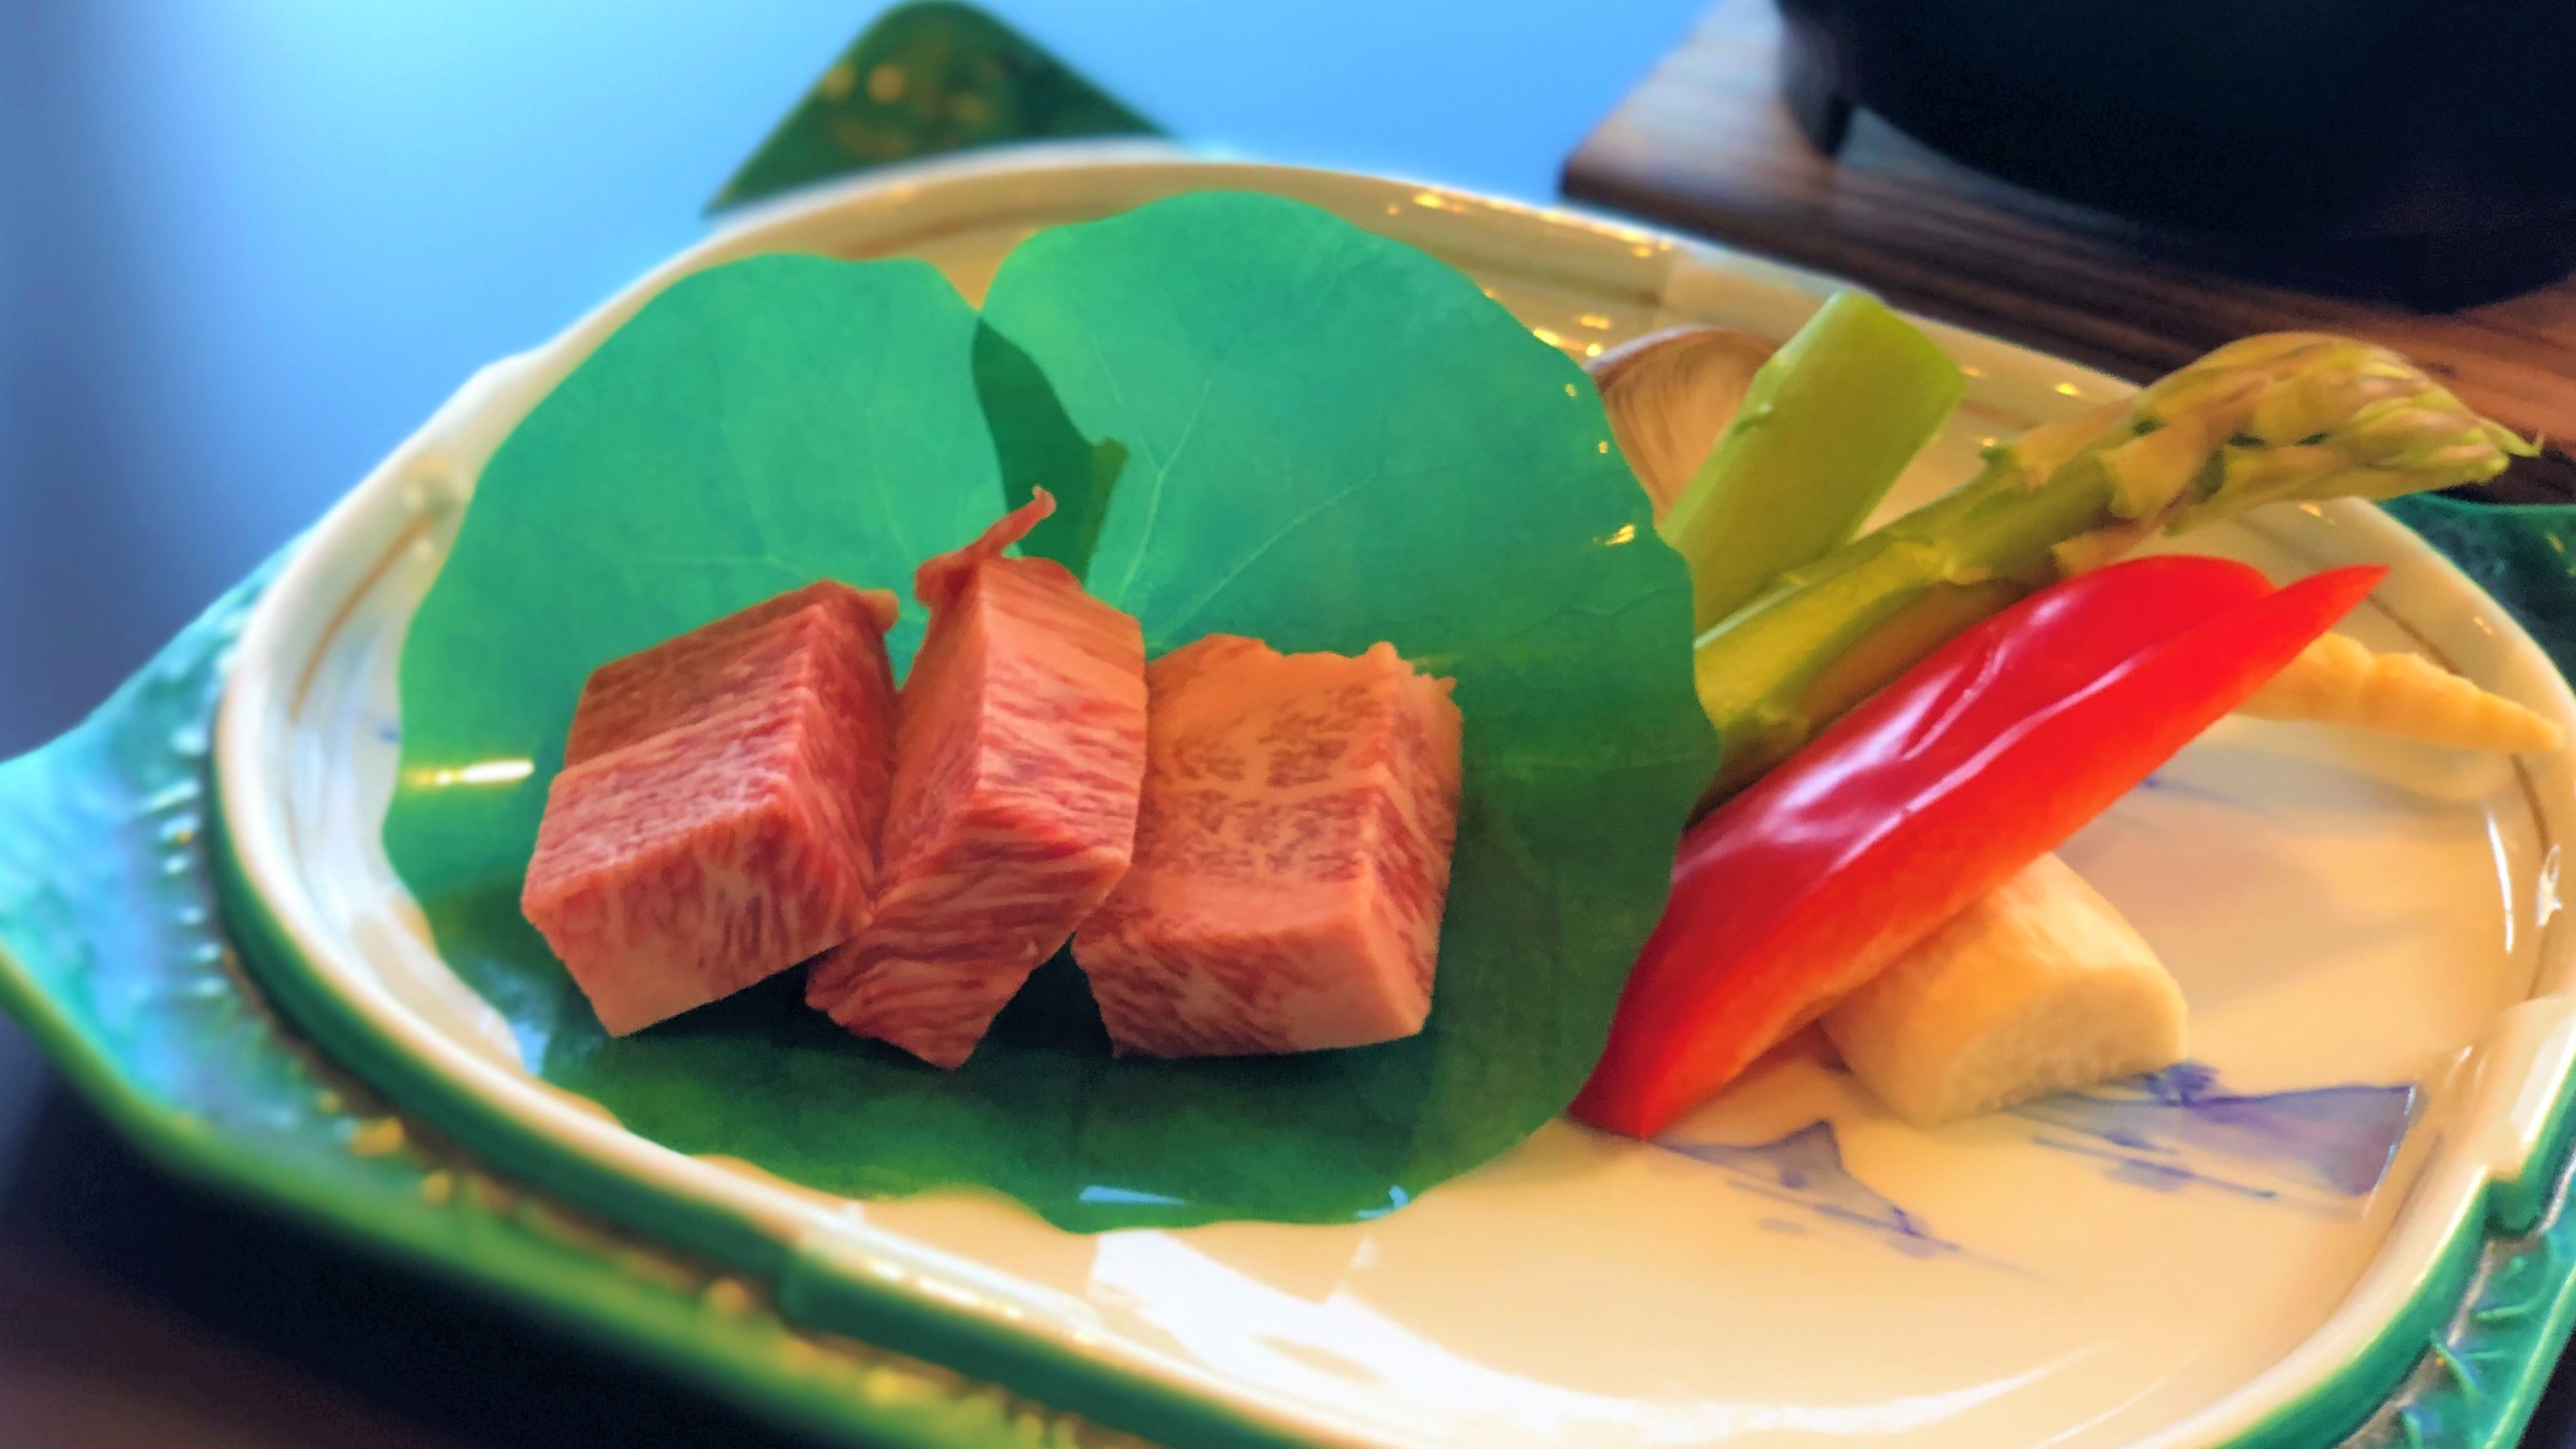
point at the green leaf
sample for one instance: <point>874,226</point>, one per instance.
<point>924,80</point>
<point>1039,447</point>
<point>1329,439</point>
<point>752,429</point>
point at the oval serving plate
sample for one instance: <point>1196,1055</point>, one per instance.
<point>2249,1253</point>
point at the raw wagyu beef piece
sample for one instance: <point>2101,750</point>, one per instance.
<point>717,816</point>
<point>1292,855</point>
<point>1021,749</point>
<point>719,666</point>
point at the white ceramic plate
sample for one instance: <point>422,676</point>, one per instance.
<point>2341,913</point>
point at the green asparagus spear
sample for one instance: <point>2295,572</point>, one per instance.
<point>2274,418</point>
<point>1826,426</point>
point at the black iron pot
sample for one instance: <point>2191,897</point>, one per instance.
<point>2434,140</point>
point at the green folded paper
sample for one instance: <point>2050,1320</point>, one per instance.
<point>927,79</point>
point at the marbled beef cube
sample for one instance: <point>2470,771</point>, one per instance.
<point>1018,760</point>
<point>825,631</point>
<point>717,821</point>
<point>1292,855</point>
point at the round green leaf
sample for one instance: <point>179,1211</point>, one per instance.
<point>1259,420</point>
<point>754,428</point>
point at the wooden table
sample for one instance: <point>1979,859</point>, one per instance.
<point>1707,143</point>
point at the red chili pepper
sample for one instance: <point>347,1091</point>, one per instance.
<point>1927,796</point>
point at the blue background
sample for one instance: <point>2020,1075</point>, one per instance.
<point>247,245</point>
